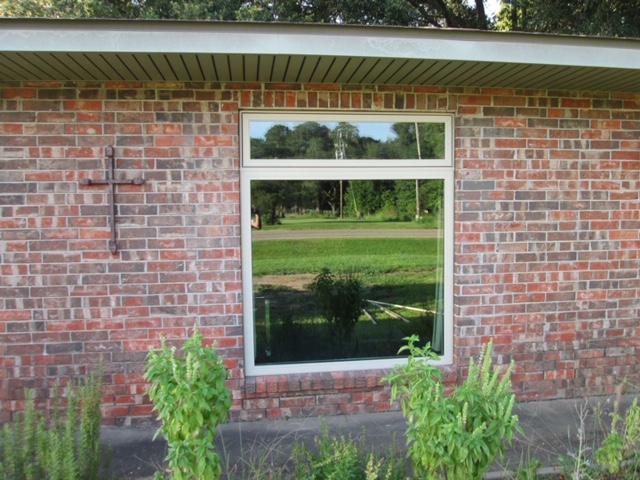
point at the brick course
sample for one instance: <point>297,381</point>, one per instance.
<point>547,244</point>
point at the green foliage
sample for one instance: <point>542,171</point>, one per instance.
<point>150,9</point>
<point>268,197</point>
<point>456,436</point>
<point>341,458</point>
<point>34,448</point>
<point>382,200</point>
<point>340,301</point>
<point>394,199</point>
<point>528,470</point>
<point>613,18</point>
<point>620,450</point>
<point>367,196</point>
<point>191,398</point>
<point>452,13</point>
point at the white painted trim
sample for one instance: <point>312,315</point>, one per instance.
<point>248,174</point>
<point>247,117</point>
<point>118,36</point>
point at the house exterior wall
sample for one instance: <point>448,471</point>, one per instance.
<point>547,243</point>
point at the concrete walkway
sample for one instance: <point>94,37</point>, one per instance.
<point>551,429</point>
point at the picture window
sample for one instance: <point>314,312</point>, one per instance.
<point>347,225</point>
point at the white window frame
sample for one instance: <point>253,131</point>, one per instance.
<point>303,169</point>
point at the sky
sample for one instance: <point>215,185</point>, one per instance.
<point>492,7</point>
<point>378,130</point>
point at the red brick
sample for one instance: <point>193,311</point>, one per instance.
<point>558,233</point>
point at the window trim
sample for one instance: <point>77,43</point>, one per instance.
<point>393,171</point>
<point>247,161</point>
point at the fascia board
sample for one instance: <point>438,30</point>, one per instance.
<point>89,36</point>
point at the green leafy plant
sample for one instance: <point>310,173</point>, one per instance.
<point>191,398</point>
<point>64,447</point>
<point>335,458</point>
<point>340,301</point>
<point>620,450</point>
<point>456,436</point>
<point>342,458</point>
<point>528,470</point>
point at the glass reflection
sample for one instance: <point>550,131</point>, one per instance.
<point>347,140</point>
<point>345,269</point>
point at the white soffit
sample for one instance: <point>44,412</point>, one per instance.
<point>97,50</point>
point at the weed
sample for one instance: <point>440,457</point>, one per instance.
<point>63,447</point>
<point>344,459</point>
<point>620,450</point>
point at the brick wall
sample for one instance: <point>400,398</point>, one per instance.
<point>547,245</point>
<point>546,254</point>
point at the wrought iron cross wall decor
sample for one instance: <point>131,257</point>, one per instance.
<point>112,182</point>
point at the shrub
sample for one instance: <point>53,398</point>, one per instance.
<point>63,447</point>
<point>459,435</point>
<point>191,398</point>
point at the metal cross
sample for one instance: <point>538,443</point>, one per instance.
<point>112,182</point>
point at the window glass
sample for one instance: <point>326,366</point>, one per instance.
<point>346,140</point>
<point>351,283</point>
<point>341,262</point>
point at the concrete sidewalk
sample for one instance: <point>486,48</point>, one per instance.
<point>551,429</point>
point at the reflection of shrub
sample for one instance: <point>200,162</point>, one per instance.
<point>340,301</point>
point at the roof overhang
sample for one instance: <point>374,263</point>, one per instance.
<point>102,50</point>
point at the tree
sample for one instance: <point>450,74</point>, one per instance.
<point>189,9</point>
<point>433,13</point>
<point>613,18</point>
<point>70,8</point>
<point>150,9</point>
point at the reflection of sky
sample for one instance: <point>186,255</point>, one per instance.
<point>375,130</point>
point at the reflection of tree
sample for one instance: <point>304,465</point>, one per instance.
<point>269,196</point>
<point>311,140</point>
<point>274,145</point>
<point>368,196</point>
<point>431,137</point>
<point>314,140</point>
<point>396,198</point>
<point>329,194</point>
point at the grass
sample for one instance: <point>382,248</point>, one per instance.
<point>363,255</point>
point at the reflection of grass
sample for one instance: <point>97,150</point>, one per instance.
<point>396,270</point>
<point>364,255</point>
<point>298,332</point>
<point>307,339</point>
<point>320,223</point>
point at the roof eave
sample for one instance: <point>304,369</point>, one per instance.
<point>34,39</point>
